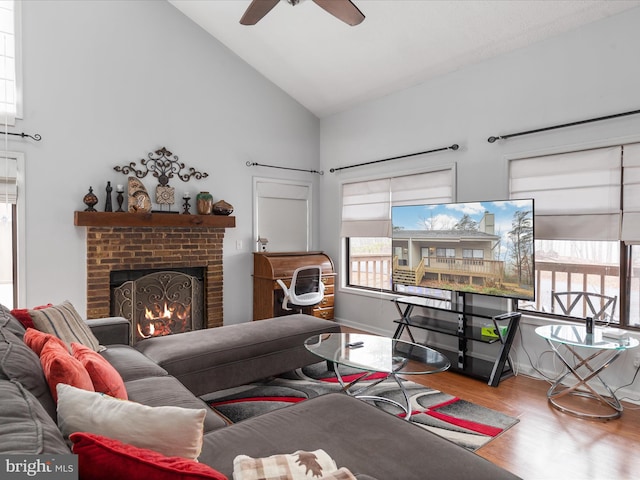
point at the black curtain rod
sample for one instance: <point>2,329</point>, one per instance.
<point>581,122</point>
<point>455,146</point>
<point>256,164</point>
<point>35,137</point>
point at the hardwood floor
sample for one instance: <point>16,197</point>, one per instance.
<point>546,443</point>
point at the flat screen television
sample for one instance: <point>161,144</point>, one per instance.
<point>474,247</point>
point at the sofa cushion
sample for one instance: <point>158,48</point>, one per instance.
<point>131,364</point>
<point>218,358</point>
<point>65,322</point>
<point>172,431</point>
<point>10,322</point>
<point>104,377</point>
<point>167,391</point>
<point>354,434</point>
<point>25,426</point>
<point>103,458</point>
<point>60,367</point>
<point>18,362</point>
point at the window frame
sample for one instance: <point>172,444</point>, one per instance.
<point>19,232</point>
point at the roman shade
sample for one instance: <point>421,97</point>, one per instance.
<point>576,195</point>
<point>366,205</point>
<point>631,193</point>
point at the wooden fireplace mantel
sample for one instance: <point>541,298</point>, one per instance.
<point>126,219</point>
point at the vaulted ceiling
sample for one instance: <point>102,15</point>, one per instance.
<point>329,66</point>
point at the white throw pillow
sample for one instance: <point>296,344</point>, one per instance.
<point>172,431</point>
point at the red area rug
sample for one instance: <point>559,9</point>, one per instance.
<point>462,422</point>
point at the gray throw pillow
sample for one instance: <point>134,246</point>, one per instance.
<point>64,322</point>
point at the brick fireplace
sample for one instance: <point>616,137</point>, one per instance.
<point>124,241</point>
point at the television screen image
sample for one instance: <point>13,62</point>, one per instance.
<point>475,247</point>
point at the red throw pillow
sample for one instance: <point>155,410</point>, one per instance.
<point>36,340</point>
<point>60,367</point>
<point>105,378</point>
<point>104,458</point>
<point>22,314</point>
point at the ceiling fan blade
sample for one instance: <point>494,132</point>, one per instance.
<point>257,10</point>
<point>343,10</point>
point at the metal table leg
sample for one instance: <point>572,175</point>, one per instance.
<point>360,393</point>
<point>584,371</point>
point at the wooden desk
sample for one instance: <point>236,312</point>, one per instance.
<point>268,267</point>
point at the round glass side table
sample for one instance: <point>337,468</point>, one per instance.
<point>585,355</point>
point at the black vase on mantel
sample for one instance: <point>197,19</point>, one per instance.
<point>90,200</point>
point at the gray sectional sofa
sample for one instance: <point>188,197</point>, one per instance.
<point>177,369</point>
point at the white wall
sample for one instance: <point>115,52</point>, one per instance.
<point>106,82</point>
<point>590,72</point>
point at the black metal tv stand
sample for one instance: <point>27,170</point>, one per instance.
<point>456,319</point>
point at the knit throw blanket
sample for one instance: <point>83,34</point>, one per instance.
<point>316,465</point>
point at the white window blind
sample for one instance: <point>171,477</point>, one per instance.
<point>366,206</point>
<point>7,63</point>
<point>366,209</point>
<point>8,180</point>
<point>631,195</point>
<point>576,195</point>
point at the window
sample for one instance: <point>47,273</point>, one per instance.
<point>366,221</point>
<point>10,164</point>
<point>8,67</point>
<point>586,222</point>
<point>472,256</point>
<point>8,197</point>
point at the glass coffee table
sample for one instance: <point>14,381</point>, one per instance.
<point>373,354</point>
<point>585,355</point>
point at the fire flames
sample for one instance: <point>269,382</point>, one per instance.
<point>164,320</point>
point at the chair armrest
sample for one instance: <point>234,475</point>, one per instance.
<point>111,330</point>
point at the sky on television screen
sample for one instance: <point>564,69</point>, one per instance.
<point>445,216</point>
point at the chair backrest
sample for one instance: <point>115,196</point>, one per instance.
<point>585,304</point>
<point>307,281</point>
<point>306,288</point>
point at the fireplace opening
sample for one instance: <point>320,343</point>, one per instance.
<point>158,302</point>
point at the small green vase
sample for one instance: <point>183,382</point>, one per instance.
<point>204,203</point>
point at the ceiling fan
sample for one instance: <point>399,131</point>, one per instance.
<point>344,10</point>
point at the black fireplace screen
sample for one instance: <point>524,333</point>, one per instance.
<point>159,303</point>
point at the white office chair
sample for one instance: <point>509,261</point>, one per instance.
<point>306,289</point>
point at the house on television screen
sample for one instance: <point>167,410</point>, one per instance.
<point>440,258</point>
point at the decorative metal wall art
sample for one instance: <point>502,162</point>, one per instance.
<point>163,165</point>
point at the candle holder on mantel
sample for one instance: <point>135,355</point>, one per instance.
<point>185,203</point>
<point>120,197</point>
